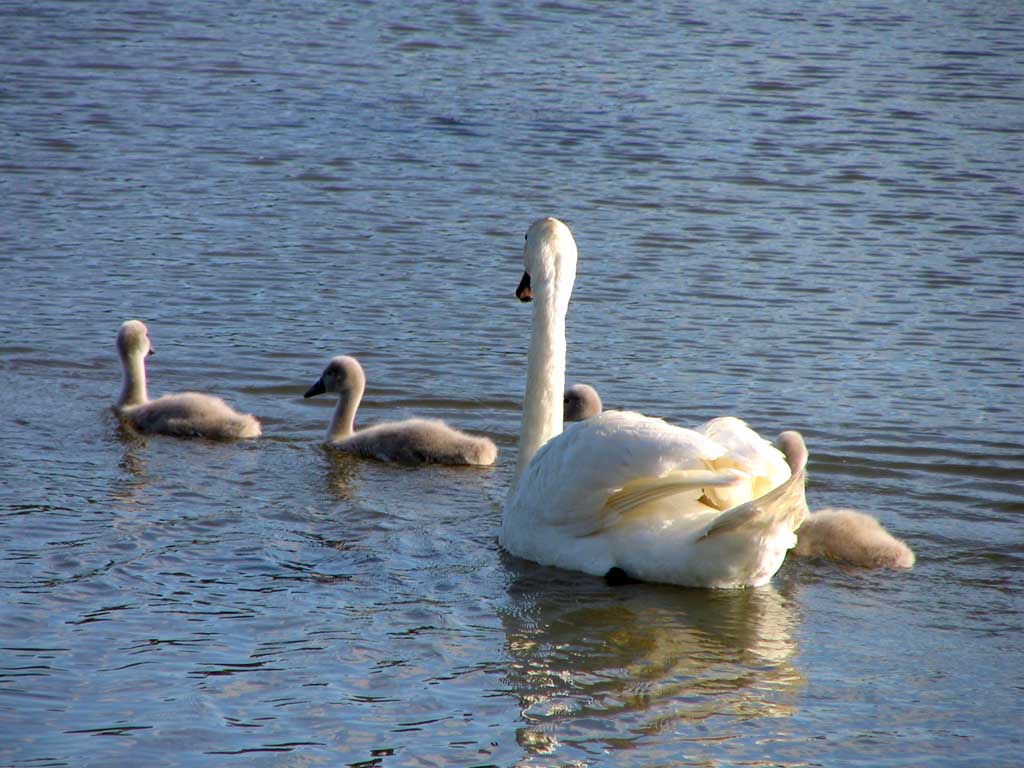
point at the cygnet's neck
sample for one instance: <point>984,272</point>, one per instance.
<point>545,375</point>
<point>133,387</point>
<point>344,418</point>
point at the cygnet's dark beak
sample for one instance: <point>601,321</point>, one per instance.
<point>523,292</point>
<point>316,389</point>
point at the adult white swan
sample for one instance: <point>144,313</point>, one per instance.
<point>624,492</point>
<point>185,414</point>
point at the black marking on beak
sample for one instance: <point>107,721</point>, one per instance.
<point>316,389</point>
<point>523,292</point>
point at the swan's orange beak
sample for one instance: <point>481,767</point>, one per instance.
<point>523,292</point>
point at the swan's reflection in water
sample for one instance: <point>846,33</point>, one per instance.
<point>128,487</point>
<point>603,667</point>
<point>342,473</point>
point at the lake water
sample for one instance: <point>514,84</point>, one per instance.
<point>808,215</point>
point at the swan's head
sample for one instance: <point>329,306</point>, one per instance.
<point>793,447</point>
<point>549,259</point>
<point>581,401</point>
<point>342,374</point>
<point>133,339</point>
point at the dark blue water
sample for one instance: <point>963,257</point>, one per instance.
<point>808,216</point>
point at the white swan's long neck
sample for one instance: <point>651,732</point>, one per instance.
<point>133,387</point>
<point>344,418</point>
<point>545,376</point>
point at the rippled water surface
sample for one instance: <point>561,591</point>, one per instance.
<point>808,215</point>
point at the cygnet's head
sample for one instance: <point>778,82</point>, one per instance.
<point>549,258</point>
<point>793,447</point>
<point>133,339</point>
<point>342,374</point>
<point>581,401</point>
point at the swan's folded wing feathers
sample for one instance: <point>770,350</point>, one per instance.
<point>641,492</point>
<point>786,504</point>
<point>747,451</point>
<point>570,479</point>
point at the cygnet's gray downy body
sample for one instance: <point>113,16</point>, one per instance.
<point>849,536</point>
<point>580,402</point>
<point>186,414</point>
<point>414,441</point>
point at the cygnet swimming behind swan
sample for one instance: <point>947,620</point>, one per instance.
<point>843,535</point>
<point>580,402</point>
<point>853,537</point>
<point>414,441</point>
<point>187,414</point>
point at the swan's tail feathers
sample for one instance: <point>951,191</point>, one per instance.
<point>638,493</point>
<point>785,505</point>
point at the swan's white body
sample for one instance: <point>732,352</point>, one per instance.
<point>186,414</point>
<point>622,490</point>
<point>763,468</point>
<point>413,441</point>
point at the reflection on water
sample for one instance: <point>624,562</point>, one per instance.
<point>342,471</point>
<point>127,487</point>
<point>595,666</point>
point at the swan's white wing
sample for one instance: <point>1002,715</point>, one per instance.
<point>583,479</point>
<point>641,493</point>
<point>763,465</point>
<point>785,505</point>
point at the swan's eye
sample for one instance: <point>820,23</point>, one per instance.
<point>526,237</point>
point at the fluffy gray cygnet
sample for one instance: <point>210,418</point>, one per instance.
<point>186,414</point>
<point>853,537</point>
<point>580,402</point>
<point>414,441</point>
